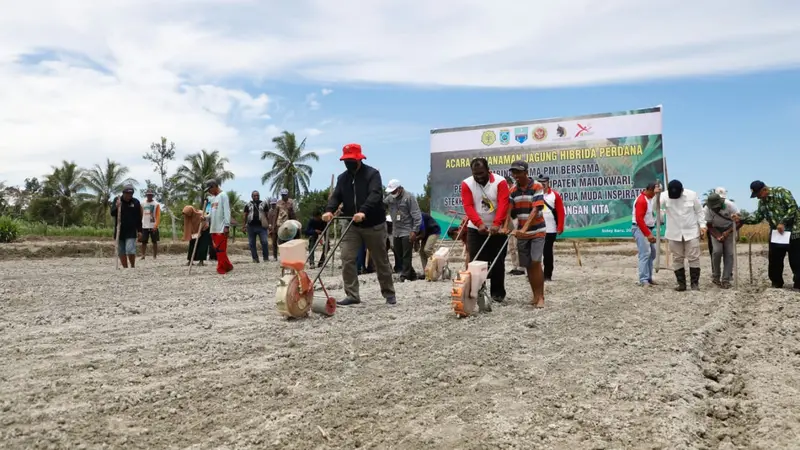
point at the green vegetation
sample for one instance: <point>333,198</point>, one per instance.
<point>72,201</point>
<point>9,229</point>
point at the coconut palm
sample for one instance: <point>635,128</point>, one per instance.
<point>104,183</point>
<point>199,168</point>
<point>236,203</point>
<point>65,184</point>
<point>289,165</point>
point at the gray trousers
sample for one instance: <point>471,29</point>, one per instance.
<point>722,253</point>
<point>374,238</point>
<point>685,250</point>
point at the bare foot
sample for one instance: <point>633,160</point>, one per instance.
<point>538,303</point>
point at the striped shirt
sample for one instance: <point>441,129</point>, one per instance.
<point>522,202</point>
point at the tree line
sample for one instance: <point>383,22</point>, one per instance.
<point>75,196</point>
<point>72,195</point>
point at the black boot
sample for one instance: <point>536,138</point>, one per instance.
<point>694,273</point>
<point>680,275</point>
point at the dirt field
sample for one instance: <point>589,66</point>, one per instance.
<point>153,358</point>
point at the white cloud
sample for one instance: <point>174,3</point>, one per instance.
<point>326,92</point>
<point>272,130</point>
<point>132,71</point>
<point>311,101</point>
<point>312,132</point>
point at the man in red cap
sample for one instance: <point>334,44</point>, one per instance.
<point>359,190</point>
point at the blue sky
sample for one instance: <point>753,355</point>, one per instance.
<point>103,80</point>
<point>718,131</point>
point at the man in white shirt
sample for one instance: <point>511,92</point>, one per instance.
<point>686,225</point>
<point>219,225</point>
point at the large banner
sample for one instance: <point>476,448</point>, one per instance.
<point>598,163</point>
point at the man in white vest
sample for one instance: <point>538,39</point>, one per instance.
<point>151,219</point>
<point>485,197</point>
<point>554,216</point>
<point>644,222</point>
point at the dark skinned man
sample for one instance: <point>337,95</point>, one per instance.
<point>526,205</point>
<point>485,199</point>
<point>130,225</point>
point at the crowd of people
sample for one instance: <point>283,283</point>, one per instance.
<point>522,216</point>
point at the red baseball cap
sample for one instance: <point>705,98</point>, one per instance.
<point>352,151</point>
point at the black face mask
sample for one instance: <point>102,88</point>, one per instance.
<point>352,166</point>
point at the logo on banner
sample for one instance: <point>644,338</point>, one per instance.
<point>561,131</point>
<point>540,133</point>
<point>505,137</point>
<point>488,137</point>
<point>584,130</point>
<point>521,134</point>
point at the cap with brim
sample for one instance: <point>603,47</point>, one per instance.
<point>392,186</point>
<point>542,178</point>
<point>756,187</point>
<point>149,192</point>
<point>715,201</point>
<point>519,165</point>
<point>128,188</point>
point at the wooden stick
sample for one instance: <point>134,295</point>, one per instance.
<point>666,179</point>
<point>658,230</point>
<point>197,241</point>
<point>577,252</point>
<point>735,256</point>
<point>327,247</point>
<point>119,228</point>
<point>750,255</point>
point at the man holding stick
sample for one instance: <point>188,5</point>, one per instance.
<point>644,222</point>
<point>130,225</point>
<point>722,220</point>
<point>525,205</point>
<point>486,202</point>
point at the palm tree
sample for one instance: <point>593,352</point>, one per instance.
<point>289,168</point>
<point>236,203</point>
<point>104,184</point>
<point>199,168</point>
<point>66,183</point>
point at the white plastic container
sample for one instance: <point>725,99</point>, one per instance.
<point>441,255</point>
<point>293,253</point>
<point>479,271</point>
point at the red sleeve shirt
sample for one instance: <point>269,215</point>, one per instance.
<point>503,199</point>
<point>640,211</point>
<point>561,212</point>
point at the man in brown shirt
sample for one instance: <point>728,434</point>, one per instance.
<point>272,220</point>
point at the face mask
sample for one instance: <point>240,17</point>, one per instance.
<point>394,195</point>
<point>352,166</point>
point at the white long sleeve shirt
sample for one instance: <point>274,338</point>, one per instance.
<point>685,216</point>
<point>220,216</point>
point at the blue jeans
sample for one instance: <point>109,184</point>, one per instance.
<point>647,254</point>
<point>261,232</point>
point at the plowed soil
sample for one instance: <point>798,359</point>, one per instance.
<point>153,357</point>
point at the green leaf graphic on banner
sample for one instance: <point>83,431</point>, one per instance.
<point>598,173</point>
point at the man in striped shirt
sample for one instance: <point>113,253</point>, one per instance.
<point>525,206</point>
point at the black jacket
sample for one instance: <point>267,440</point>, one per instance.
<point>429,225</point>
<point>313,225</point>
<point>362,192</point>
<point>131,218</point>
